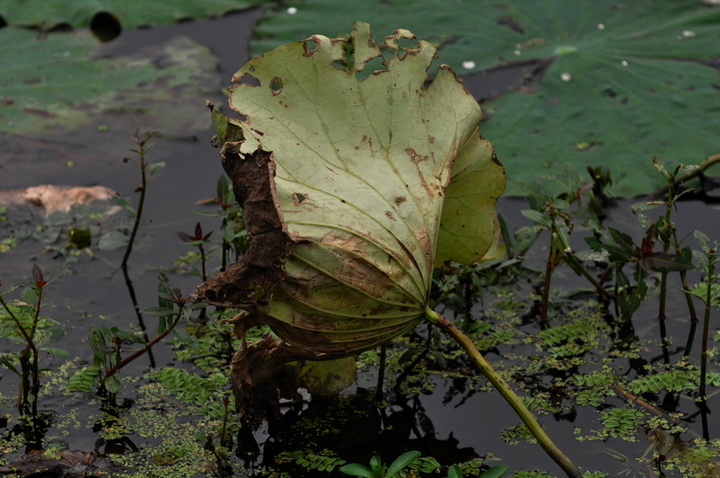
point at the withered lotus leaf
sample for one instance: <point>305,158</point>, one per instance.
<point>354,186</point>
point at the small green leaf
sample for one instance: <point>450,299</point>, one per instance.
<point>158,311</point>
<point>356,469</point>
<point>162,325</point>
<point>495,471</point>
<point>113,383</point>
<point>199,305</point>
<point>118,332</point>
<point>154,168</point>
<point>55,351</point>
<point>454,472</point>
<point>122,202</point>
<point>164,292</point>
<point>625,242</point>
<point>98,344</point>
<point>401,462</point>
<point>659,262</point>
<point>537,217</point>
<point>113,240</point>
<point>186,338</point>
<point>200,212</point>
<point>222,187</point>
<point>8,364</point>
<point>6,330</point>
<point>55,333</point>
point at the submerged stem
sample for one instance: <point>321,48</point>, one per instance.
<point>508,394</point>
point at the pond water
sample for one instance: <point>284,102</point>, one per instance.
<point>447,418</point>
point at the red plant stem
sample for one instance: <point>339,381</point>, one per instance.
<point>202,261</point>
<point>144,349</point>
<point>705,334</point>
<point>546,291</point>
<point>663,293</point>
<point>25,385</point>
<point>139,211</point>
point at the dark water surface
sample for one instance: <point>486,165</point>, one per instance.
<point>456,424</point>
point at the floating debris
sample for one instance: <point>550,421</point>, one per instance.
<point>57,198</point>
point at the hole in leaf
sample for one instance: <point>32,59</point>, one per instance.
<point>249,80</point>
<point>374,66</point>
<point>105,26</point>
<point>276,85</point>
<point>340,65</point>
<point>408,43</point>
<point>3,23</point>
<point>299,197</point>
<point>310,46</point>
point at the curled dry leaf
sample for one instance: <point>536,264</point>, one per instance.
<point>354,186</point>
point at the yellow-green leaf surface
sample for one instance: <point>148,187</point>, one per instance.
<point>361,168</point>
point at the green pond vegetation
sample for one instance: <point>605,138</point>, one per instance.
<point>440,260</point>
<point>184,420</point>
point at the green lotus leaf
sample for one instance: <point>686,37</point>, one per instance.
<point>129,13</point>
<point>345,179</point>
<point>59,83</point>
<point>617,82</point>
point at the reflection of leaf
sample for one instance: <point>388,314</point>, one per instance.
<point>343,185</point>
<point>112,240</point>
<point>625,82</point>
<point>78,13</point>
<point>58,83</point>
<point>327,378</point>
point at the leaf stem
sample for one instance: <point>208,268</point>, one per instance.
<point>508,394</point>
<point>145,348</point>
<point>706,325</point>
<point>143,188</point>
<point>700,169</point>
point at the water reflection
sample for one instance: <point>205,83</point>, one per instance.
<point>353,427</point>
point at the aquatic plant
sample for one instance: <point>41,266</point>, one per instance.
<point>21,322</point>
<point>353,190</point>
<point>378,470</point>
<point>146,170</point>
<point>197,240</point>
<point>108,343</point>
